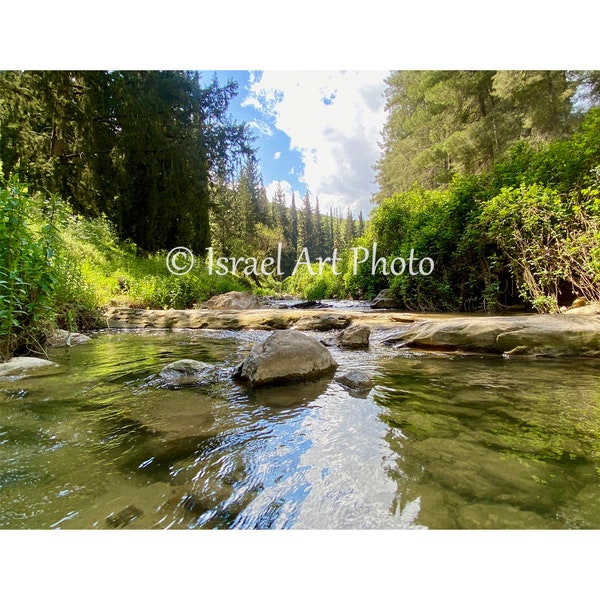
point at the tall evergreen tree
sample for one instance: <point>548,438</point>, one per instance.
<point>305,227</point>
<point>293,224</point>
<point>348,232</point>
<point>445,122</point>
<point>318,241</point>
<point>361,224</point>
<point>143,147</point>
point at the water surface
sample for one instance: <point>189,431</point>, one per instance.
<point>441,441</point>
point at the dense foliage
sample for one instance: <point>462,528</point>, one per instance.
<point>492,176</point>
<point>141,147</point>
<point>526,229</point>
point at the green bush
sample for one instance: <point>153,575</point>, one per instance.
<point>550,240</point>
<point>27,277</point>
<point>315,286</point>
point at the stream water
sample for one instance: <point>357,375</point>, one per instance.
<point>442,441</point>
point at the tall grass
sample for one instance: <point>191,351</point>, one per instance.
<point>59,269</point>
<point>28,240</point>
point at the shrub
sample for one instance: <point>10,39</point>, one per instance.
<point>27,276</point>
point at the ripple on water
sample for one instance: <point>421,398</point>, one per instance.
<point>441,441</point>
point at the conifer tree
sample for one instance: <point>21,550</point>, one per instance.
<point>318,241</point>
<point>293,224</point>
<point>305,227</point>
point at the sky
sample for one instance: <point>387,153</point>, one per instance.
<point>316,131</point>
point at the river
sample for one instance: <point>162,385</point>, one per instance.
<point>442,441</point>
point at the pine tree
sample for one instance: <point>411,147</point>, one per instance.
<point>305,227</point>
<point>348,233</point>
<point>361,224</point>
<point>319,248</point>
<point>442,123</point>
<point>144,147</point>
<point>293,224</point>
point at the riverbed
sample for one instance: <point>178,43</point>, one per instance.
<point>441,441</point>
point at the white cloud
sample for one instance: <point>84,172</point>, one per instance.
<point>262,127</point>
<point>334,119</point>
<point>286,187</point>
<point>277,155</point>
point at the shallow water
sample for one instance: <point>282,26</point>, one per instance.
<point>441,441</point>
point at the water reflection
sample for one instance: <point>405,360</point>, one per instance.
<point>492,443</point>
<point>441,441</point>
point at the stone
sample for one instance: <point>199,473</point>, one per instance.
<point>355,380</point>
<point>385,299</point>
<point>309,304</point>
<point>186,372</point>
<point>323,322</point>
<point>23,365</point>
<point>545,335</point>
<point>234,301</point>
<point>593,308</point>
<point>579,302</point>
<point>285,356</point>
<point>61,337</point>
<point>356,336</point>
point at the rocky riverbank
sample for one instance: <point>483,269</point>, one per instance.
<point>539,335</point>
<point>569,334</point>
<point>262,318</point>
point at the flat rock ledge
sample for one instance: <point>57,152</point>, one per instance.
<point>541,335</point>
<point>265,319</point>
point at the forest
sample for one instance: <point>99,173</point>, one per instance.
<point>494,175</point>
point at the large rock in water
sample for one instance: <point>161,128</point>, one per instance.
<point>547,335</point>
<point>24,365</point>
<point>356,336</point>
<point>285,356</point>
<point>234,301</point>
<point>61,337</point>
<point>385,299</point>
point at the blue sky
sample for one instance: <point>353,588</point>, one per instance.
<point>316,131</point>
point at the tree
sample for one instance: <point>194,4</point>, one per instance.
<point>293,223</point>
<point>442,123</point>
<point>305,227</point>
<point>348,234</point>
<point>146,148</point>
<point>318,245</point>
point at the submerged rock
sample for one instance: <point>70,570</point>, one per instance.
<point>23,365</point>
<point>547,335</point>
<point>285,356</point>
<point>126,516</point>
<point>234,301</point>
<point>356,336</point>
<point>185,372</point>
<point>310,304</point>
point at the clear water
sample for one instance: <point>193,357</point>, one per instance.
<point>441,441</point>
